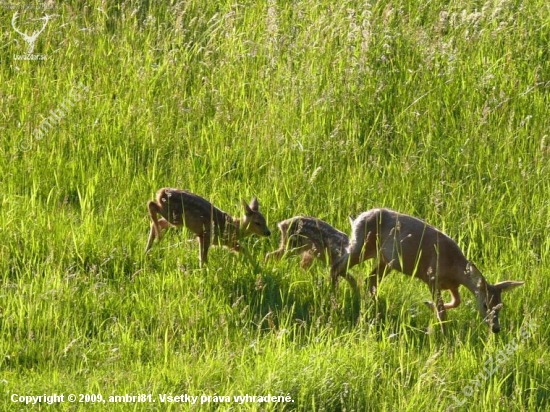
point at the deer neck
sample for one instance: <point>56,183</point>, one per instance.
<point>231,232</point>
<point>474,280</point>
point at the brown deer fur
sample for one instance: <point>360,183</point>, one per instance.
<point>413,247</point>
<point>210,224</point>
<point>312,238</point>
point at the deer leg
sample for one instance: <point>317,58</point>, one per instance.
<point>375,277</point>
<point>163,224</point>
<point>153,209</point>
<point>441,313</point>
<point>151,239</point>
<point>156,232</point>
<point>455,301</point>
<point>204,244</point>
<point>439,307</point>
<point>277,254</point>
<point>307,260</point>
<point>352,283</point>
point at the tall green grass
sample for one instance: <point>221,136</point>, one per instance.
<point>436,109</point>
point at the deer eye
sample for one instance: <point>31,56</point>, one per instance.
<point>257,223</point>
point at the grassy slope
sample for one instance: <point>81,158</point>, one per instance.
<point>438,110</point>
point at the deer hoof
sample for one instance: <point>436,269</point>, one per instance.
<point>429,304</point>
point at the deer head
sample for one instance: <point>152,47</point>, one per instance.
<point>489,297</point>
<point>254,222</point>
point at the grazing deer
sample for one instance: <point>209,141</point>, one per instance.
<point>413,247</point>
<point>312,238</point>
<point>207,222</point>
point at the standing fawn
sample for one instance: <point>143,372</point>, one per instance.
<point>207,222</point>
<point>413,247</point>
<point>312,238</point>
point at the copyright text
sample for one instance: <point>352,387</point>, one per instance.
<point>148,398</point>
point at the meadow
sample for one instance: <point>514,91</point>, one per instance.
<point>322,108</point>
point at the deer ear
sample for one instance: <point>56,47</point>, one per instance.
<point>247,210</point>
<point>254,206</point>
<point>507,285</point>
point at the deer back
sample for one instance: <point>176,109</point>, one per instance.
<point>313,234</point>
<point>409,244</point>
<point>181,207</point>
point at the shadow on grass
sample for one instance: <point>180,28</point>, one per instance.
<point>276,301</point>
